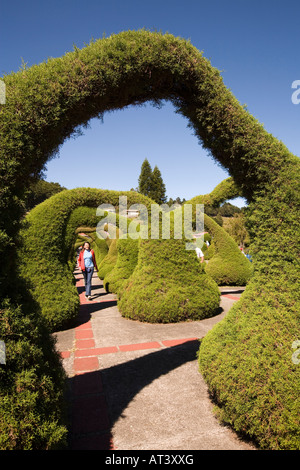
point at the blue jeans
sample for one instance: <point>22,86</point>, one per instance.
<point>87,275</point>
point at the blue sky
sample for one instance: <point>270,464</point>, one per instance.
<point>253,43</point>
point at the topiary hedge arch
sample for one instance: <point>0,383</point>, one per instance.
<point>47,234</point>
<point>247,358</point>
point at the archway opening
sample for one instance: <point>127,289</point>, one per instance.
<point>108,154</point>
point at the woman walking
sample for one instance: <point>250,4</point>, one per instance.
<point>87,263</point>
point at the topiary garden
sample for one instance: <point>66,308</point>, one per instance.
<point>246,359</point>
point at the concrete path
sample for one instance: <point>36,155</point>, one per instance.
<point>136,386</point>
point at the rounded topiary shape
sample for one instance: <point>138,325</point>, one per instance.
<point>228,266</point>
<point>127,259</point>
<point>32,383</point>
<point>109,261</point>
<point>247,362</point>
<point>168,285</point>
<point>100,248</point>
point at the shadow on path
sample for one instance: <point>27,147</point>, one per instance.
<point>117,386</point>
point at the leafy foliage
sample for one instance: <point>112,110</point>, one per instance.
<point>39,191</point>
<point>108,262</point>
<point>32,409</point>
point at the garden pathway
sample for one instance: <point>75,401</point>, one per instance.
<point>136,386</point>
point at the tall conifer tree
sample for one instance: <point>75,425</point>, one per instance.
<point>158,188</point>
<point>151,183</point>
<point>145,178</point>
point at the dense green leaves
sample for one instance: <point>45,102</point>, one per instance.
<point>127,258</point>
<point>145,178</point>
<point>32,412</point>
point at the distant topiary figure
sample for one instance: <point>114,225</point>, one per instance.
<point>127,259</point>
<point>228,266</point>
<point>109,261</point>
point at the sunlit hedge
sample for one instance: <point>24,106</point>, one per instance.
<point>127,258</point>
<point>168,283</point>
<point>228,266</point>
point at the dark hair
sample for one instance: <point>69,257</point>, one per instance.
<point>87,243</point>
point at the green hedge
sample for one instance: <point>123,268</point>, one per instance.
<point>127,258</point>
<point>100,248</point>
<point>32,383</point>
<point>168,285</point>
<point>46,103</point>
<point>247,362</point>
<point>43,255</point>
<point>228,265</point>
<point>83,219</point>
<point>108,262</point>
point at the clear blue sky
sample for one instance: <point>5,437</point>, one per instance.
<point>253,43</point>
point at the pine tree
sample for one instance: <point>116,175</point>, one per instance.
<point>145,178</point>
<point>151,183</point>
<point>158,188</point>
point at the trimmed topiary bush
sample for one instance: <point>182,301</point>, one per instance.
<point>127,258</point>
<point>228,266</point>
<point>109,261</point>
<point>168,285</point>
<point>247,362</point>
<point>100,248</point>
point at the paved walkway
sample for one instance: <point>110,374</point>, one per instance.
<point>136,386</point>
